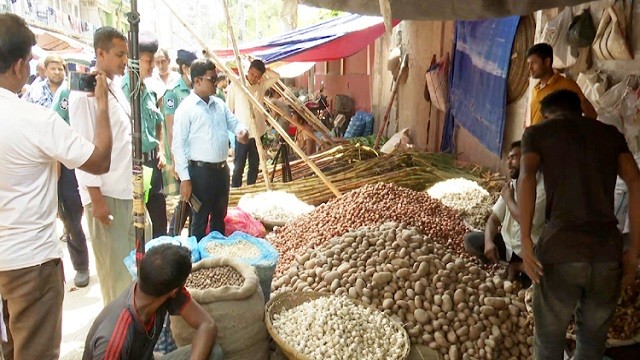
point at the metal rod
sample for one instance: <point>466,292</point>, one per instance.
<point>134,80</point>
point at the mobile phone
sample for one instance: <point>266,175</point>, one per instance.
<point>82,81</point>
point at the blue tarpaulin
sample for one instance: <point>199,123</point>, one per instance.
<point>478,91</point>
<point>333,39</point>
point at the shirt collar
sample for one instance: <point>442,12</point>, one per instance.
<point>7,93</point>
<point>551,81</point>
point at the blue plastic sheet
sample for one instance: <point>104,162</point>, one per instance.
<point>191,243</point>
<point>478,90</point>
<point>265,263</point>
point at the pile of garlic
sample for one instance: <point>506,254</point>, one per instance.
<point>460,194</point>
<point>275,207</point>
<point>241,249</point>
<point>336,328</point>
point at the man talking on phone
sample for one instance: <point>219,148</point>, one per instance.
<point>108,198</point>
<point>33,139</point>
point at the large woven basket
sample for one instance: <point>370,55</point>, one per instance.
<point>290,300</point>
<point>518,77</point>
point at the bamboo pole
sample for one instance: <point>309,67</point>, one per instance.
<point>279,111</point>
<point>252,123</point>
<point>220,64</point>
<point>286,94</point>
<point>394,92</point>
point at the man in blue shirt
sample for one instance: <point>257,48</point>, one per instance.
<point>200,147</point>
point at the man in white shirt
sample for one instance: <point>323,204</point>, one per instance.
<point>259,79</point>
<point>501,239</point>
<point>108,198</point>
<point>33,140</point>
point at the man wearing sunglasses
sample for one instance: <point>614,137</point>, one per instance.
<point>200,147</point>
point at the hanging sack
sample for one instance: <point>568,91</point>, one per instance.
<point>555,34</point>
<point>611,38</point>
<point>238,312</point>
<point>593,84</point>
<point>581,30</point>
<point>437,78</point>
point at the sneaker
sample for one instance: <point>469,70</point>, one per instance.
<point>82,278</point>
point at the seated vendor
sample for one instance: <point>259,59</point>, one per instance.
<point>129,327</point>
<point>304,140</point>
<point>501,238</point>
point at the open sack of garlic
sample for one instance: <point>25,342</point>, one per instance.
<point>274,207</point>
<point>472,200</point>
<point>335,327</point>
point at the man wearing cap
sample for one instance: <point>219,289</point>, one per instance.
<point>172,98</point>
<point>151,133</point>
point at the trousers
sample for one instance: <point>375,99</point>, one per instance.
<point>589,291</point>
<point>32,311</point>
<point>211,187</point>
<point>245,152</point>
<point>111,244</point>
<point>70,212</point>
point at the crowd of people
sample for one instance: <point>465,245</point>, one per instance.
<point>554,223</point>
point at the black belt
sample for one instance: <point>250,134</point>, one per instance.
<point>150,156</point>
<point>218,165</point>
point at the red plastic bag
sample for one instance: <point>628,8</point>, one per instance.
<point>240,220</point>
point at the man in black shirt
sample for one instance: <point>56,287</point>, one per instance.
<point>580,248</point>
<point>129,327</point>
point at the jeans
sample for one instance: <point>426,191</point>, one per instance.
<point>588,290</point>
<point>244,152</point>
<point>70,211</point>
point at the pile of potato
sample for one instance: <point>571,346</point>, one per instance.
<point>444,301</point>
<point>213,278</point>
<point>368,205</point>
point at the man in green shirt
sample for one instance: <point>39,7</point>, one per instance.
<point>172,99</point>
<point>153,153</point>
<point>221,85</point>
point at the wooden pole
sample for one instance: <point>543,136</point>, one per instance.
<point>276,109</point>
<point>394,92</point>
<point>286,94</point>
<point>221,65</point>
<point>252,123</point>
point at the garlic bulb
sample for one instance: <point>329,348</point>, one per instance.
<point>336,328</point>
<point>274,206</point>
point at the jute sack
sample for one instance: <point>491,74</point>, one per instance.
<point>237,310</point>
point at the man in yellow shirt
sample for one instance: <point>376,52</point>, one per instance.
<point>540,61</point>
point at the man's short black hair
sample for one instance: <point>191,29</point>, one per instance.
<point>148,42</point>
<point>163,269</point>
<point>258,65</point>
<point>104,36</point>
<point>200,67</point>
<point>541,50</point>
<point>516,144</point>
<point>561,101</point>
<point>16,40</point>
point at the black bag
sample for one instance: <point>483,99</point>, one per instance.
<point>582,32</point>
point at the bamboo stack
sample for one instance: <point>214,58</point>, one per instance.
<point>412,169</point>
